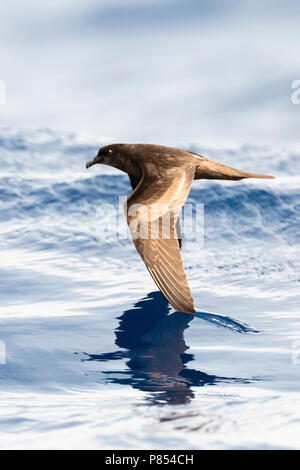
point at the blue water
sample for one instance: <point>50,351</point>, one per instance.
<point>95,356</point>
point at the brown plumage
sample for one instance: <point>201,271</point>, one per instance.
<point>161,178</point>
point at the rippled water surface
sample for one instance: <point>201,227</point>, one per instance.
<point>95,356</point>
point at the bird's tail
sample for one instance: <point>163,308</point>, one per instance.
<point>208,169</point>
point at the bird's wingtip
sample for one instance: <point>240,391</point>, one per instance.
<point>268,177</point>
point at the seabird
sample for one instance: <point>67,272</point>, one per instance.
<point>161,178</point>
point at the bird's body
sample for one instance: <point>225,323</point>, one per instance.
<point>161,178</point>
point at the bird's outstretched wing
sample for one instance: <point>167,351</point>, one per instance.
<point>152,213</point>
<point>134,180</point>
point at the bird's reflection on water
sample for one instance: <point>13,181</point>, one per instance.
<point>152,341</point>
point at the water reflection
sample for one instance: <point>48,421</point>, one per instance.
<point>152,341</point>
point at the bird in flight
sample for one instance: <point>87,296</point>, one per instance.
<point>161,178</point>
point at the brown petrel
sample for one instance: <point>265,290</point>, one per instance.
<point>161,178</point>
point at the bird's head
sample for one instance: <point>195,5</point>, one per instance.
<point>119,156</point>
<point>106,156</point>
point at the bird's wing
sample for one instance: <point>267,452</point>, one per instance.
<point>134,180</point>
<point>152,212</point>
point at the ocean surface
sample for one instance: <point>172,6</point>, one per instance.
<point>91,354</point>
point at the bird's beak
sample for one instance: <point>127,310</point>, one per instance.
<point>92,162</point>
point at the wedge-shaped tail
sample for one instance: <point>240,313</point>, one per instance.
<point>208,169</point>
